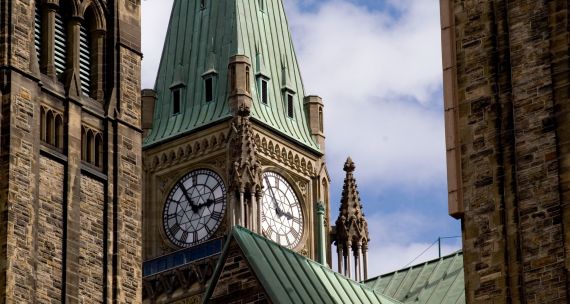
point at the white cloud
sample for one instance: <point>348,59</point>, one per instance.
<point>378,76</point>
<point>155,16</point>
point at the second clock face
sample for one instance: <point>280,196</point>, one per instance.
<point>194,208</point>
<point>282,218</point>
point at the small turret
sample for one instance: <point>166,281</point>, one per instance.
<point>314,109</point>
<point>239,71</point>
<point>351,229</point>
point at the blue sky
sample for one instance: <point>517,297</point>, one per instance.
<point>377,65</point>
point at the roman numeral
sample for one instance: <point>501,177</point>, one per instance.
<point>195,236</point>
<point>216,215</point>
<point>184,237</point>
<point>295,233</point>
<point>174,229</point>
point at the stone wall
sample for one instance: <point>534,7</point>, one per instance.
<point>237,283</point>
<point>506,80</point>
<point>91,239</point>
<point>50,232</point>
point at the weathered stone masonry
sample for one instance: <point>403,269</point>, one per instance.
<point>507,129</point>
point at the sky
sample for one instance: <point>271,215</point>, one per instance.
<point>377,66</point>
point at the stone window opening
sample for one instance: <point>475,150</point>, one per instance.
<point>92,147</point>
<point>77,42</point>
<point>202,4</point>
<point>51,128</point>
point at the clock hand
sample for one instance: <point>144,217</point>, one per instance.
<point>275,205</point>
<point>288,215</point>
<point>185,192</point>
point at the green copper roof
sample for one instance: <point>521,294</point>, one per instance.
<point>437,281</point>
<point>288,277</point>
<point>199,43</point>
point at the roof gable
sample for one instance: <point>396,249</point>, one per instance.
<point>288,277</point>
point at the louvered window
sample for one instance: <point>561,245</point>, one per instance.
<point>38,30</point>
<point>60,44</point>
<point>84,61</point>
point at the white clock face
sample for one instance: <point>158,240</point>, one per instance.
<point>281,218</point>
<point>195,208</point>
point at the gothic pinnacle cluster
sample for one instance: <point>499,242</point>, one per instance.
<point>351,228</point>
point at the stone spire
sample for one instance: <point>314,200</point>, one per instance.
<point>351,228</point>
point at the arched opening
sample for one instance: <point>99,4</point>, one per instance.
<point>42,124</point>
<point>98,150</point>
<point>91,53</point>
<point>50,129</point>
<point>58,131</point>
<point>83,144</point>
<point>90,146</point>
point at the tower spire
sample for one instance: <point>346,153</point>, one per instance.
<point>351,228</point>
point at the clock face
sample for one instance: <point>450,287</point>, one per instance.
<point>194,208</point>
<point>281,218</point>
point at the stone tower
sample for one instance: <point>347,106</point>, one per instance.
<point>230,139</point>
<point>70,151</point>
<point>351,229</point>
<point>507,121</point>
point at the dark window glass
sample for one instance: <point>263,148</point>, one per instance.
<point>176,101</point>
<point>290,105</point>
<point>209,89</point>
<point>264,91</point>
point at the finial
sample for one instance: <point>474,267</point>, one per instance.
<point>349,165</point>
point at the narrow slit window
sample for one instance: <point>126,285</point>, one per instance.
<point>60,44</point>
<point>290,105</point>
<point>176,101</point>
<point>208,82</point>
<point>84,61</point>
<point>247,81</point>
<point>264,93</point>
<point>202,4</point>
<point>321,127</point>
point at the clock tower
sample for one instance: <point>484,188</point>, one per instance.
<point>230,138</point>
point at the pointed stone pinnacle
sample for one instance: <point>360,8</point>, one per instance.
<point>349,165</point>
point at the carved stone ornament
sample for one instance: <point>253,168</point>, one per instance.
<point>245,170</point>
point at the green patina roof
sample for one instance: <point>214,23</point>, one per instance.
<point>437,281</point>
<point>200,42</point>
<point>288,277</point>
